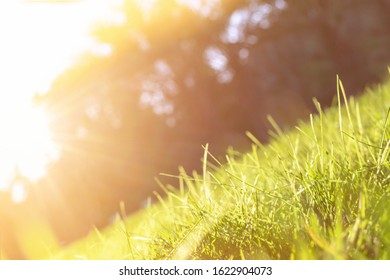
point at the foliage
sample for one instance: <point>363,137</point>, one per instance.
<point>320,191</point>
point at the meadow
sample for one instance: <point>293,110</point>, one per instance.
<point>319,190</point>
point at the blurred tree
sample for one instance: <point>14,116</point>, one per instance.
<point>185,73</point>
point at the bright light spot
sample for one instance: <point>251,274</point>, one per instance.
<point>253,16</point>
<point>237,23</point>
<point>25,143</point>
<point>162,68</point>
<point>93,108</point>
<point>204,8</point>
<point>225,76</point>
<point>243,53</point>
<point>156,100</point>
<point>280,4</point>
<point>145,6</point>
<point>101,49</point>
<point>18,192</point>
<point>218,61</point>
<point>260,15</point>
<point>216,58</point>
<point>39,40</point>
<point>81,132</point>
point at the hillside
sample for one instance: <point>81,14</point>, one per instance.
<point>319,191</point>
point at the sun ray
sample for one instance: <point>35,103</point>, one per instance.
<point>38,43</point>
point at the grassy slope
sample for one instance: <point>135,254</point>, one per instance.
<point>320,191</point>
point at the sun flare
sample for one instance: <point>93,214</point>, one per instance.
<point>26,145</point>
<point>39,40</point>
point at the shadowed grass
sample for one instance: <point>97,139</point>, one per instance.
<point>320,191</point>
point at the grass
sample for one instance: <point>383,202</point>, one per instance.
<point>320,191</point>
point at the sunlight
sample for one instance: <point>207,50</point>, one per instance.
<point>39,40</point>
<point>25,145</point>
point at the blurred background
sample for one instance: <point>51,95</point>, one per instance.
<point>100,97</point>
